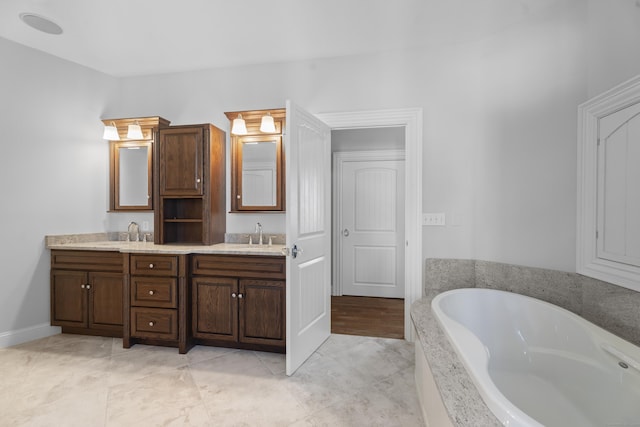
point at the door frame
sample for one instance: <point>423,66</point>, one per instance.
<point>411,120</point>
<point>339,158</point>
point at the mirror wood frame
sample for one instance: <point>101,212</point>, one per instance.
<point>150,127</point>
<point>114,193</point>
<point>252,119</point>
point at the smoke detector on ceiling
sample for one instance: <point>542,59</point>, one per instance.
<point>41,23</point>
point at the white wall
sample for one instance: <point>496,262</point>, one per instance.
<point>499,137</point>
<point>613,36</point>
<point>382,138</point>
<point>53,169</point>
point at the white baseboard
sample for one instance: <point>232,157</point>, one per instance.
<point>19,336</point>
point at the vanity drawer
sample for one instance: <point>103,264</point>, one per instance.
<point>87,260</point>
<point>158,292</point>
<point>154,265</point>
<point>159,323</point>
<point>262,267</point>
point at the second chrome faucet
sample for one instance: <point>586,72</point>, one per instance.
<point>259,231</point>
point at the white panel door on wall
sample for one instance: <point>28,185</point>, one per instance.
<point>618,216</point>
<point>371,221</point>
<point>308,225</point>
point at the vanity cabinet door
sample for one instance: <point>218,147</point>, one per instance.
<point>68,298</point>
<point>181,162</point>
<point>262,312</point>
<point>90,300</point>
<point>105,301</point>
<point>215,314</point>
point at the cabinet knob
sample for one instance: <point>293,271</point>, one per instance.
<point>198,180</point>
<point>240,296</point>
<point>150,265</point>
<point>152,323</point>
<point>151,292</point>
<point>83,286</point>
<point>88,286</point>
<point>233,295</point>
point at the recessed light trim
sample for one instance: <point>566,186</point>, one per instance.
<point>40,23</point>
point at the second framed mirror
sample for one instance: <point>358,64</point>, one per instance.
<point>257,162</point>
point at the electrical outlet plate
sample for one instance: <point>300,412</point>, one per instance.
<point>437,219</point>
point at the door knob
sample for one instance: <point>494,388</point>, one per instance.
<point>345,232</point>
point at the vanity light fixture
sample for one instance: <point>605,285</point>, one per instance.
<point>267,125</point>
<point>135,131</point>
<point>239,126</point>
<point>111,133</point>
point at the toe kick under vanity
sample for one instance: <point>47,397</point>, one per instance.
<point>229,295</point>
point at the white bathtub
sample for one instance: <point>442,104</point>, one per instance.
<point>536,364</point>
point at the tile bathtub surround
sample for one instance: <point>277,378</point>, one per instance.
<point>459,395</point>
<point>76,380</point>
<point>611,307</point>
<point>446,274</point>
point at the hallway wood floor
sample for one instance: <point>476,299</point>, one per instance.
<point>367,316</point>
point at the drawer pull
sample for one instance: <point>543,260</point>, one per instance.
<point>152,323</point>
<point>151,293</point>
<point>150,265</point>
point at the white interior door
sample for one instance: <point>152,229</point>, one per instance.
<point>308,225</point>
<point>371,221</point>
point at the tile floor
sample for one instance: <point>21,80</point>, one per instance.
<point>73,380</point>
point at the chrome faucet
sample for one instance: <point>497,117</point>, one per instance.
<point>134,231</point>
<point>259,231</point>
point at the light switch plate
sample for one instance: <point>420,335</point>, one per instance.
<point>434,219</point>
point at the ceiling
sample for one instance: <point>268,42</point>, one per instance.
<point>139,37</point>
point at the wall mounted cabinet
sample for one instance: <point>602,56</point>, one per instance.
<point>191,185</point>
<point>257,163</point>
<point>608,232</point>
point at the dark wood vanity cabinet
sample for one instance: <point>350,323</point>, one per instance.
<point>190,194</point>
<point>87,292</point>
<point>239,301</point>
<point>156,294</point>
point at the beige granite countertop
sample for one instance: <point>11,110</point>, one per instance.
<point>459,394</point>
<point>99,242</point>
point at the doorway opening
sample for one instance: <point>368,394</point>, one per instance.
<point>411,120</point>
<point>368,231</point>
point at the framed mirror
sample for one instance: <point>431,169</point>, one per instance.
<point>131,162</point>
<point>131,176</point>
<point>257,173</point>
